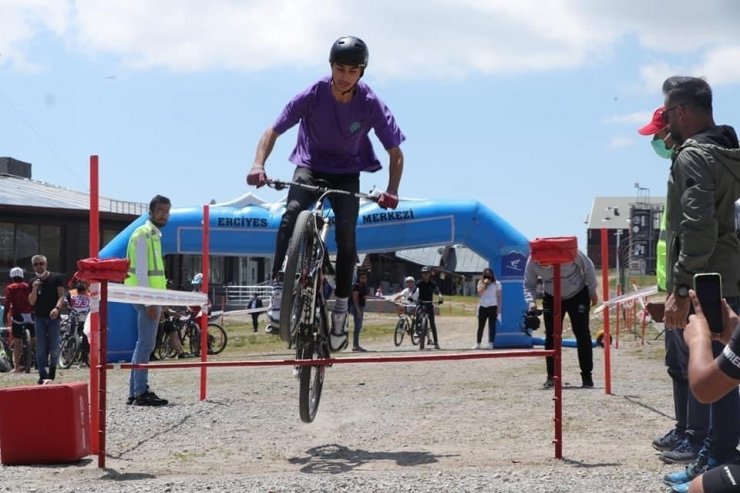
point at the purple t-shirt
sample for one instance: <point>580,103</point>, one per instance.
<point>333,136</point>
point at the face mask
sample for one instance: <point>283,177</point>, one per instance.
<point>660,148</point>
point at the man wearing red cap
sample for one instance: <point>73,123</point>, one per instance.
<point>681,444</point>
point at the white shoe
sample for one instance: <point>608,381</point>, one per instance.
<point>489,346</point>
<point>475,346</point>
<point>338,335</point>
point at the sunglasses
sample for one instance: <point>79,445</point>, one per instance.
<point>664,115</point>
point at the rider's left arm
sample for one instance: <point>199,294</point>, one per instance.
<point>395,169</point>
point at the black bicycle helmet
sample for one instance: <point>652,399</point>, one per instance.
<point>349,50</point>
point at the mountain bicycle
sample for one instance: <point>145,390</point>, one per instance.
<point>187,325</point>
<point>74,346</point>
<point>406,325</point>
<point>304,321</point>
<point>421,319</point>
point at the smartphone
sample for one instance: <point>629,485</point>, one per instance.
<point>708,289</point>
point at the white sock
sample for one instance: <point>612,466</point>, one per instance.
<point>340,305</point>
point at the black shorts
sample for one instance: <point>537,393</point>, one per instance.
<point>722,479</point>
<point>19,329</point>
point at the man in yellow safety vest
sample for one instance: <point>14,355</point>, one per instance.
<point>146,268</point>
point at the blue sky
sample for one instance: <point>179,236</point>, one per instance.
<point>530,107</point>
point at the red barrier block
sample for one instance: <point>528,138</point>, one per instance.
<point>44,424</point>
<point>556,250</point>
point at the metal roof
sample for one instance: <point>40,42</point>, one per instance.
<point>25,192</point>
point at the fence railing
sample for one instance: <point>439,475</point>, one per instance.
<point>240,295</point>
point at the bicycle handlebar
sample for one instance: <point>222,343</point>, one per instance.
<point>373,195</point>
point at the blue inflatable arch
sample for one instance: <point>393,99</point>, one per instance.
<point>251,230</point>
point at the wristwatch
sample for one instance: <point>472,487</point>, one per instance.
<point>682,291</point>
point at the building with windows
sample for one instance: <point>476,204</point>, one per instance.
<point>633,228</point>
<point>38,217</point>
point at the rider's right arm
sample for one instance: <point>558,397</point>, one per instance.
<point>264,147</point>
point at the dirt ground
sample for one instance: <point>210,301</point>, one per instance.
<point>488,415</point>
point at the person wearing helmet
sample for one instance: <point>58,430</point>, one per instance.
<point>334,117</point>
<point>405,295</point>
<point>425,291</point>
<point>18,314</point>
<point>197,281</point>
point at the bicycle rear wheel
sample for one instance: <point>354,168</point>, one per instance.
<point>298,265</point>
<point>216,338</point>
<point>311,377</point>
<point>400,331</point>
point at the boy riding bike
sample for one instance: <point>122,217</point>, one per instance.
<point>335,115</point>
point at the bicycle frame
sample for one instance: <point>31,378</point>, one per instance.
<point>303,298</point>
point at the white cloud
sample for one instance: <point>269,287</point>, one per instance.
<point>640,117</point>
<point>620,142</point>
<point>21,21</point>
<point>436,38</point>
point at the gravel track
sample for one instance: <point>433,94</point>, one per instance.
<point>478,426</point>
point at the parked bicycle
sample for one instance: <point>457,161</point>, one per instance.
<point>406,324</point>
<point>304,322</point>
<point>74,346</point>
<point>187,325</point>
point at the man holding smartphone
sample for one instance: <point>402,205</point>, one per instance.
<point>703,185</point>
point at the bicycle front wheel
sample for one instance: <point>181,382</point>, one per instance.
<point>414,335</point>
<point>423,330</point>
<point>400,331</point>
<point>192,331</point>
<point>298,265</point>
<point>216,338</point>
<point>68,351</point>
<point>311,376</point>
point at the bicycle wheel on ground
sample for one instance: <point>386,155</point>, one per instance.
<point>311,377</point>
<point>68,351</point>
<point>164,349</point>
<point>414,334</point>
<point>216,338</point>
<point>423,330</point>
<point>192,334</point>
<point>298,266</point>
<point>400,331</point>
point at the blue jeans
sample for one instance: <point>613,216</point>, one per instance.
<point>145,342</point>
<point>47,346</point>
<point>358,324</point>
